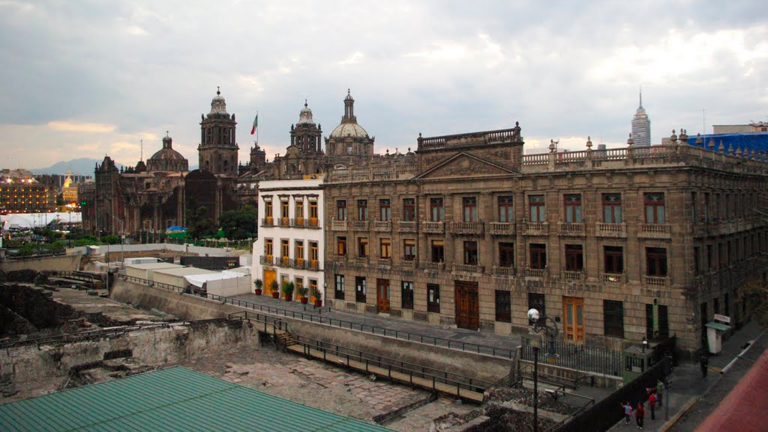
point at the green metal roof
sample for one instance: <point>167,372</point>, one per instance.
<point>174,399</point>
<point>717,326</point>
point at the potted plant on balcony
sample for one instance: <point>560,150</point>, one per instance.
<point>302,293</point>
<point>288,290</point>
<point>316,295</point>
<point>258,283</point>
<point>275,288</point>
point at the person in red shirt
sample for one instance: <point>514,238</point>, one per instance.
<point>639,414</point>
<point>652,403</point>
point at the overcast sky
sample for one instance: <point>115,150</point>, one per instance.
<point>89,78</point>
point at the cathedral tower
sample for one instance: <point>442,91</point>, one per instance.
<point>218,140</point>
<point>306,134</point>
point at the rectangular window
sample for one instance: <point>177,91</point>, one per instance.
<point>710,259</point>
<point>656,261</point>
<point>612,208</point>
<point>362,247</point>
<point>436,210</point>
<point>299,210</point>
<point>655,210</point>
<point>538,208</point>
<point>362,210</point>
<point>268,249</point>
<point>716,305</point>
<point>268,210</point>
<point>360,289</point>
<point>313,211</point>
<point>506,254</point>
<point>341,210</point>
<point>313,257</point>
<point>407,295</point>
<point>339,291</point>
<point>706,206</point>
<point>433,298</point>
<point>536,301</point>
<point>298,251</point>
<point>284,209</point>
<point>312,286</point>
<point>298,282</point>
<point>284,249</point>
<point>341,246</point>
<point>409,250</point>
<point>385,248</point>
<point>469,205</point>
<point>506,209</point>
<point>385,210</point>
<point>696,258</point>
<point>409,209</point>
<point>438,251</point>
<point>657,323</point>
<point>614,259</point>
<point>694,213</point>
<point>613,318</point>
<point>538,256</point>
<point>572,208</point>
<point>470,253</point>
<point>574,258</point>
<point>503,306</point>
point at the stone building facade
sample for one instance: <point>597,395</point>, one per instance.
<point>616,245</point>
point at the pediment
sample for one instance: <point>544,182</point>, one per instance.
<point>465,165</point>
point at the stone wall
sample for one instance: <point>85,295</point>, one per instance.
<point>54,263</point>
<point>184,306</point>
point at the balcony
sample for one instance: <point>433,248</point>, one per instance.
<point>433,266</point>
<point>467,228</point>
<point>285,222</point>
<point>267,222</point>
<point>433,227</point>
<point>359,225</point>
<point>466,268</point>
<point>298,223</point>
<point>384,263</point>
<point>535,228</point>
<point>536,273</point>
<point>408,263</point>
<point>613,278</point>
<point>573,276</point>
<point>266,260</point>
<point>298,263</point>
<point>655,231</point>
<point>313,223</point>
<point>314,265</point>
<point>572,229</point>
<point>656,281</point>
<point>502,228</point>
<point>382,226</point>
<point>504,272</point>
<point>611,230</point>
<point>284,262</point>
<point>406,226</point>
<point>338,225</point>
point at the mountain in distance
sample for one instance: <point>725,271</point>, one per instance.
<point>81,166</point>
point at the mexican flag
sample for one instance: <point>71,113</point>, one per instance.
<point>255,124</point>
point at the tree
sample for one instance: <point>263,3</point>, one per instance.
<point>239,224</point>
<point>755,294</point>
<point>198,222</point>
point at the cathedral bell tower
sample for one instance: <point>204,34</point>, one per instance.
<point>306,135</point>
<point>218,140</point>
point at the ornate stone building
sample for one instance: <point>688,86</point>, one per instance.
<point>615,245</point>
<point>218,140</point>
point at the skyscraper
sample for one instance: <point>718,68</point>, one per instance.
<point>641,126</point>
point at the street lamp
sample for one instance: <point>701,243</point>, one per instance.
<point>549,327</point>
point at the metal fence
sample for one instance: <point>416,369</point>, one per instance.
<point>504,353</point>
<point>580,357</point>
<point>604,414</point>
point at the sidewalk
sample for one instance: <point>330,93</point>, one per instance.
<point>687,385</point>
<point>474,340</point>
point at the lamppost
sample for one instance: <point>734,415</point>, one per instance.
<point>549,327</point>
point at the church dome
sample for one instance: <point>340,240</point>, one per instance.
<point>305,116</point>
<point>167,159</point>
<point>218,104</point>
<point>167,152</point>
<point>351,130</point>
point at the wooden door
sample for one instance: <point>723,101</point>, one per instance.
<point>467,305</point>
<point>573,315</point>
<point>269,277</point>
<point>382,295</point>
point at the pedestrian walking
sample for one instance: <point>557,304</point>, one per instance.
<point>627,412</point>
<point>659,392</point>
<point>704,362</point>
<point>639,414</point>
<point>652,404</point>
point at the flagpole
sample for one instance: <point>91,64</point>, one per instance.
<point>257,128</point>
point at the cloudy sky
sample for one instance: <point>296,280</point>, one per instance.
<point>89,78</point>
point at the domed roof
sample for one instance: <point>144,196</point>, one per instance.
<point>305,116</point>
<point>352,130</point>
<point>167,152</point>
<point>218,104</point>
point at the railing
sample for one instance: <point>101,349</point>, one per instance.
<point>382,225</point>
<point>266,260</point>
<point>501,228</point>
<point>505,353</point>
<point>614,230</point>
<point>314,265</point>
<point>359,225</point>
<point>285,222</point>
<point>406,226</point>
<point>467,268</point>
<point>613,277</point>
<point>535,228</point>
<point>504,271</point>
<point>313,223</point>
<point>655,231</point>
<point>267,222</point>
<point>536,159</point>
<point>581,357</point>
<point>299,223</point>
<point>535,273</point>
<point>284,261</point>
<point>433,266</point>
<point>384,262</point>
<point>573,276</point>
<point>433,227</point>
<point>470,228</point>
<point>473,138</point>
<point>338,225</point>
<point>572,229</point>
<point>298,263</point>
<point>656,281</point>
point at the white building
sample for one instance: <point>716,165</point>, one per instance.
<point>290,245</point>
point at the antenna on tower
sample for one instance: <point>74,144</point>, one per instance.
<point>641,96</point>
<point>704,121</point>
<point>142,150</point>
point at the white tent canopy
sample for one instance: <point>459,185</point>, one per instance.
<point>38,220</point>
